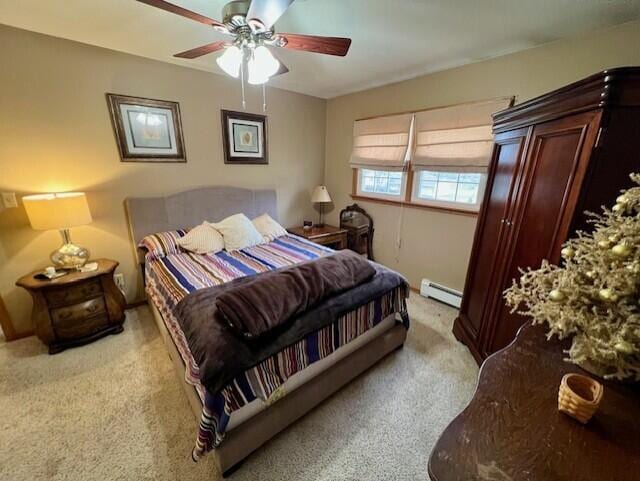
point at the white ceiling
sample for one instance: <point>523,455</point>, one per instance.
<point>392,39</point>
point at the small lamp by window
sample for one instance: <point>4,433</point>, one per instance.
<point>60,211</point>
<point>321,196</point>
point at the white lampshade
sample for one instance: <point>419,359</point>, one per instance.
<point>57,211</point>
<point>320,195</point>
<point>261,65</point>
<point>254,77</point>
<point>230,61</point>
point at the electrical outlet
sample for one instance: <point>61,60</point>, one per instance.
<point>9,200</point>
<point>119,280</point>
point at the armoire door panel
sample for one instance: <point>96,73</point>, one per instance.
<point>507,154</point>
<point>554,168</point>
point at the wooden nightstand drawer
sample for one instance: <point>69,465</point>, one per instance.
<point>327,235</point>
<point>85,327</point>
<point>77,312</point>
<point>76,308</point>
<point>71,295</point>
<point>330,239</point>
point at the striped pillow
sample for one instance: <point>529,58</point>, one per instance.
<point>162,244</point>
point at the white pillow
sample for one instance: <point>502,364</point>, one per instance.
<point>203,239</point>
<point>238,232</point>
<point>268,228</point>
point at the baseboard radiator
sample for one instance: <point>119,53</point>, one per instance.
<point>441,293</point>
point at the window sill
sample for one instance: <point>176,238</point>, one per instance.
<point>414,205</point>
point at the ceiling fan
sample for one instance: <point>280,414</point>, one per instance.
<point>250,23</point>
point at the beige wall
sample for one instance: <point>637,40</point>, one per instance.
<point>56,135</point>
<point>437,245</point>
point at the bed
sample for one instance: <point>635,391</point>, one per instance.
<point>265,399</point>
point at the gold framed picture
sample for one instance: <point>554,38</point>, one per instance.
<point>147,130</point>
<point>244,137</point>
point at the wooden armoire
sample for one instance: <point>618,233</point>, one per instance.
<point>555,156</point>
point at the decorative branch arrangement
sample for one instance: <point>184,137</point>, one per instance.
<point>594,296</point>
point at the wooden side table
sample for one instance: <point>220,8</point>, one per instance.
<point>77,308</point>
<point>512,429</point>
<point>328,235</point>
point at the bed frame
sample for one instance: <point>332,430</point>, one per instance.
<point>147,215</point>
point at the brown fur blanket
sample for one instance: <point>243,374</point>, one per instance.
<point>272,299</point>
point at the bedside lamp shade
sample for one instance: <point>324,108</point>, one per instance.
<point>320,195</point>
<point>60,211</point>
<point>57,211</point>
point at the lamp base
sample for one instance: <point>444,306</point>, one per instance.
<point>69,255</point>
<point>320,224</point>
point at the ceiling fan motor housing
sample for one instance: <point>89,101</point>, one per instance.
<point>235,8</point>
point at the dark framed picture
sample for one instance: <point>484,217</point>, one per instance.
<point>244,137</point>
<point>147,130</point>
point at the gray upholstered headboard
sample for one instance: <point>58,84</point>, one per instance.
<point>148,215</point>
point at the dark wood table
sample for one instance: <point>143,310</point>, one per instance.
<point>512,429</point>
<point>328,235</point>
<point>77,308</point>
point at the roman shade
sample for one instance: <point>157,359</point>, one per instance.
<point>381,143</point>
<point>457,138</point>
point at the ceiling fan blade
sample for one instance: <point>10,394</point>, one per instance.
<point>170,7</point>
<point>266,12</point>
<point>203,50</point>
<point>312,43</point>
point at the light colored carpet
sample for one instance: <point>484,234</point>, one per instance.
<point>113,410</point>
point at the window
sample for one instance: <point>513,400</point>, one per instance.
<point>380,156</point>
<point>449,189</point>
<point>435,158</point>
<point>381,183</point>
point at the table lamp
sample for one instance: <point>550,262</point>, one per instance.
<point>60,211</point>
<point>321,196</point>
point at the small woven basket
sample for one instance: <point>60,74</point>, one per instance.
<point>579,396</point>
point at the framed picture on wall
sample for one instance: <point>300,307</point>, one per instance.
<point>244,137</point>
<point>147,130</point>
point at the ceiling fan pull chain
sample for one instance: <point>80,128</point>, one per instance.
<point>264,98</point>
<point>244,102</point>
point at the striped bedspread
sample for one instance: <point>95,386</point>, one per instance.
<point>169,279</point>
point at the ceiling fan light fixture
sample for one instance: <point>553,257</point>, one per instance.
<point>256,25</point>
<point>231,61</point>
<point>255,77</point>
<point>261,65</point>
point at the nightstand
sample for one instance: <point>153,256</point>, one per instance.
<point>77,308</point>
<point>327,235</point>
